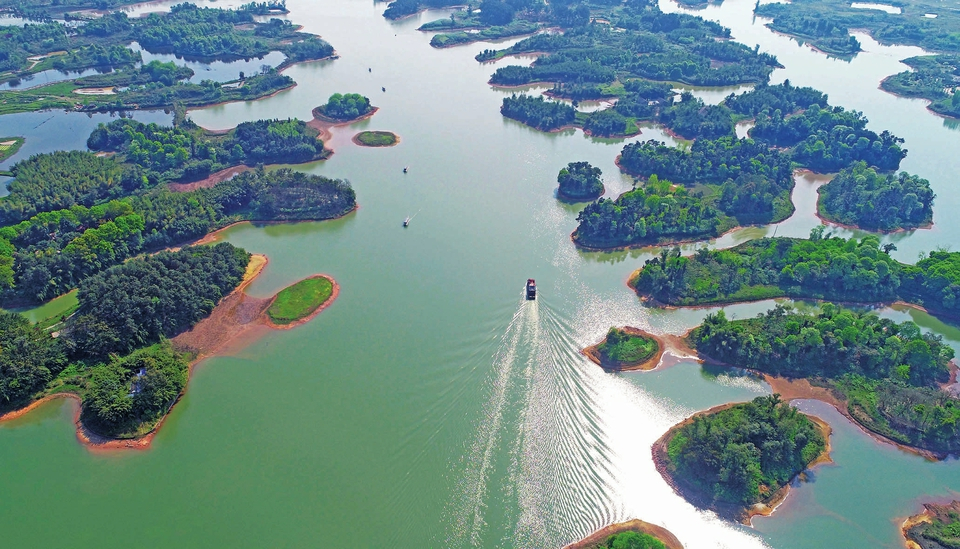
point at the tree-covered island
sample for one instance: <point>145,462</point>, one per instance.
<point>632,534</point>
<point>344,108</point>
<point>827,24</point>
<point>833,269</point>
<point>626,349</point>
<point>886,376</point>
<point>720,183</point>
<point>579,181</point>
<point>937,527</point>
<point>187,30</point>
<point>187,153</point>
<point>860,197</point>
<point>740,459</point>
<point>934,78</point>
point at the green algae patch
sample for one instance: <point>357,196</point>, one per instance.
<point>301,301</point>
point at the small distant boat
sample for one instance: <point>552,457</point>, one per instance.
<point>531,289</point>
<point>370,70</point>
<point>404,169</point>
<point>384,89</point>
<point>406,222</point>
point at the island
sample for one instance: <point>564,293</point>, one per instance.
<point>827,24</point>
<point>861,198</point>
<point>739,459</point>
<point>9,146</point>
<point>470,26</point>
<point>934,78</point>
<point>186,153</point>
<point>626,349</point>
<point>633,534</point>
<point>344,108</point>
<point>579,181</point>
<point>937,527</point>
<point>103,42</point>
<point>885,376</point>
<point>302,301</point>
<point>111,352</point>
<point>821,268</point>
<point>376,139</point>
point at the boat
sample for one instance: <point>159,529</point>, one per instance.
<point>384,89</point>
<point>404,169</point>
<point>406,222</point>
<point>531,289</point>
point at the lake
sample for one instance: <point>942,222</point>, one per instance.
<point>430,405</point>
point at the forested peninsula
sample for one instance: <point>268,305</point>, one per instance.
<point>833,269</point>
<point>739,459</point>
<point>936,527</point>
<point>885,376</point>
<point>187,30</point>
<point>934,78</point>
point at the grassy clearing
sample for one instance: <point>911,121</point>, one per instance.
<point>300,300</point>
<point>376,139</point>
<point>9,146</point>
<point>621,347</point>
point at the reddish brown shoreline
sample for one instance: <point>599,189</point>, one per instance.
<point>734,512</point>
<point>634,525</point>
<point>801,389</point>
<point>237,314</point>
<point>649,364</point>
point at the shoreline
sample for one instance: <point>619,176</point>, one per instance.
<point>317,115</point>
<point>801,389</point>
<point>634,525</point>
<point>735,512</point>
<point>645,365</point>
<point>231,312</point>
<point>563,197</point>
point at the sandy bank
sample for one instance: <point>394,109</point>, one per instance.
<point>209,181</point>
<point>728,510</point>
<point>593,354</point>
<point>634,525</point>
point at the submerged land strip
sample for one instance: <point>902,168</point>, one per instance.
<point>605,534</point>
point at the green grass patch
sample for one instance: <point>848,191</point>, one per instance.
<point>376,139</point>
<point>622,347</point>
<point>300,300</point>
<point>9,146</point>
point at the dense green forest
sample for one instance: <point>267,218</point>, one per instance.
<point>861,197</point>
<point>941,531</point>
<point>52,252</point>
<point>344,107</point>
<point>834,269</point>
<point>187,153</point>
<point>122,310</point>
<point>889,374</point>
<point>580,181</point>
<point>934,77</point>
<point>641,41</point>
<point>63,179</point>
<point>621,348</point>
<point>537,112</point>
<point>827,24</point>
<point>658,212</point>
<point>187,30</point>
<point>742,455</point>
<point>631,540</point>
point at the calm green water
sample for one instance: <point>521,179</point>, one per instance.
<point>430,406</point>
